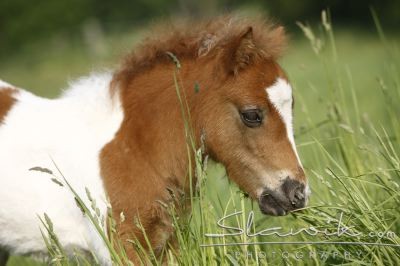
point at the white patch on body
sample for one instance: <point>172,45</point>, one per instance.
<point>71,130</point>
<point>280,95</point>
<point>4,84</point>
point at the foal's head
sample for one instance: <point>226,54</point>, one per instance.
<point>248,123</point>
<point>244,105</point>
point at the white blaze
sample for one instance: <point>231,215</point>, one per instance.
<point>280,95</point>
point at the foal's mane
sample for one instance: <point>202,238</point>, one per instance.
<point>191,39</point>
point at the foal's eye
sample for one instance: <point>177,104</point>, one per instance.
<point>252,118</point>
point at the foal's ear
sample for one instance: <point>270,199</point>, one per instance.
<point>241,53</point>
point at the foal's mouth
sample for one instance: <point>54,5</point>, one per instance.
<point>290,196</point>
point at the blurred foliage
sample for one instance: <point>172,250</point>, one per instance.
<point>356,12</point>
<point>23,21</point>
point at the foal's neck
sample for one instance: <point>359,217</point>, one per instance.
<point>148,156</point>
<point>153,128</point>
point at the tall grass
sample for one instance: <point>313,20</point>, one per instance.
<point>347,134</point>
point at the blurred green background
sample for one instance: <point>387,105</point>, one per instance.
<point>45,43</point>
<point>23,21</point>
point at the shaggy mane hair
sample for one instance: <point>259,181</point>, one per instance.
<point>190,39</point>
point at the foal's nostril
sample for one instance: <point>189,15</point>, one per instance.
<point>290,196</point>
<point>299,194</point>
<point>295,192</point>
<point>298,197</point>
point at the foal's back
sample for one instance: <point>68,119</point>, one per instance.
<point>68,132</point>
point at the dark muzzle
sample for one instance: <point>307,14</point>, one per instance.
<point>291,195</point>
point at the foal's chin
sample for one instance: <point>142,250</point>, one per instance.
<point>278,206</point>
<point>273,210</point>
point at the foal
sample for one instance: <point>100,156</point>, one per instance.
<point>122,136</point>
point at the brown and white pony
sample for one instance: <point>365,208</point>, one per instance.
<point>121,134</point>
